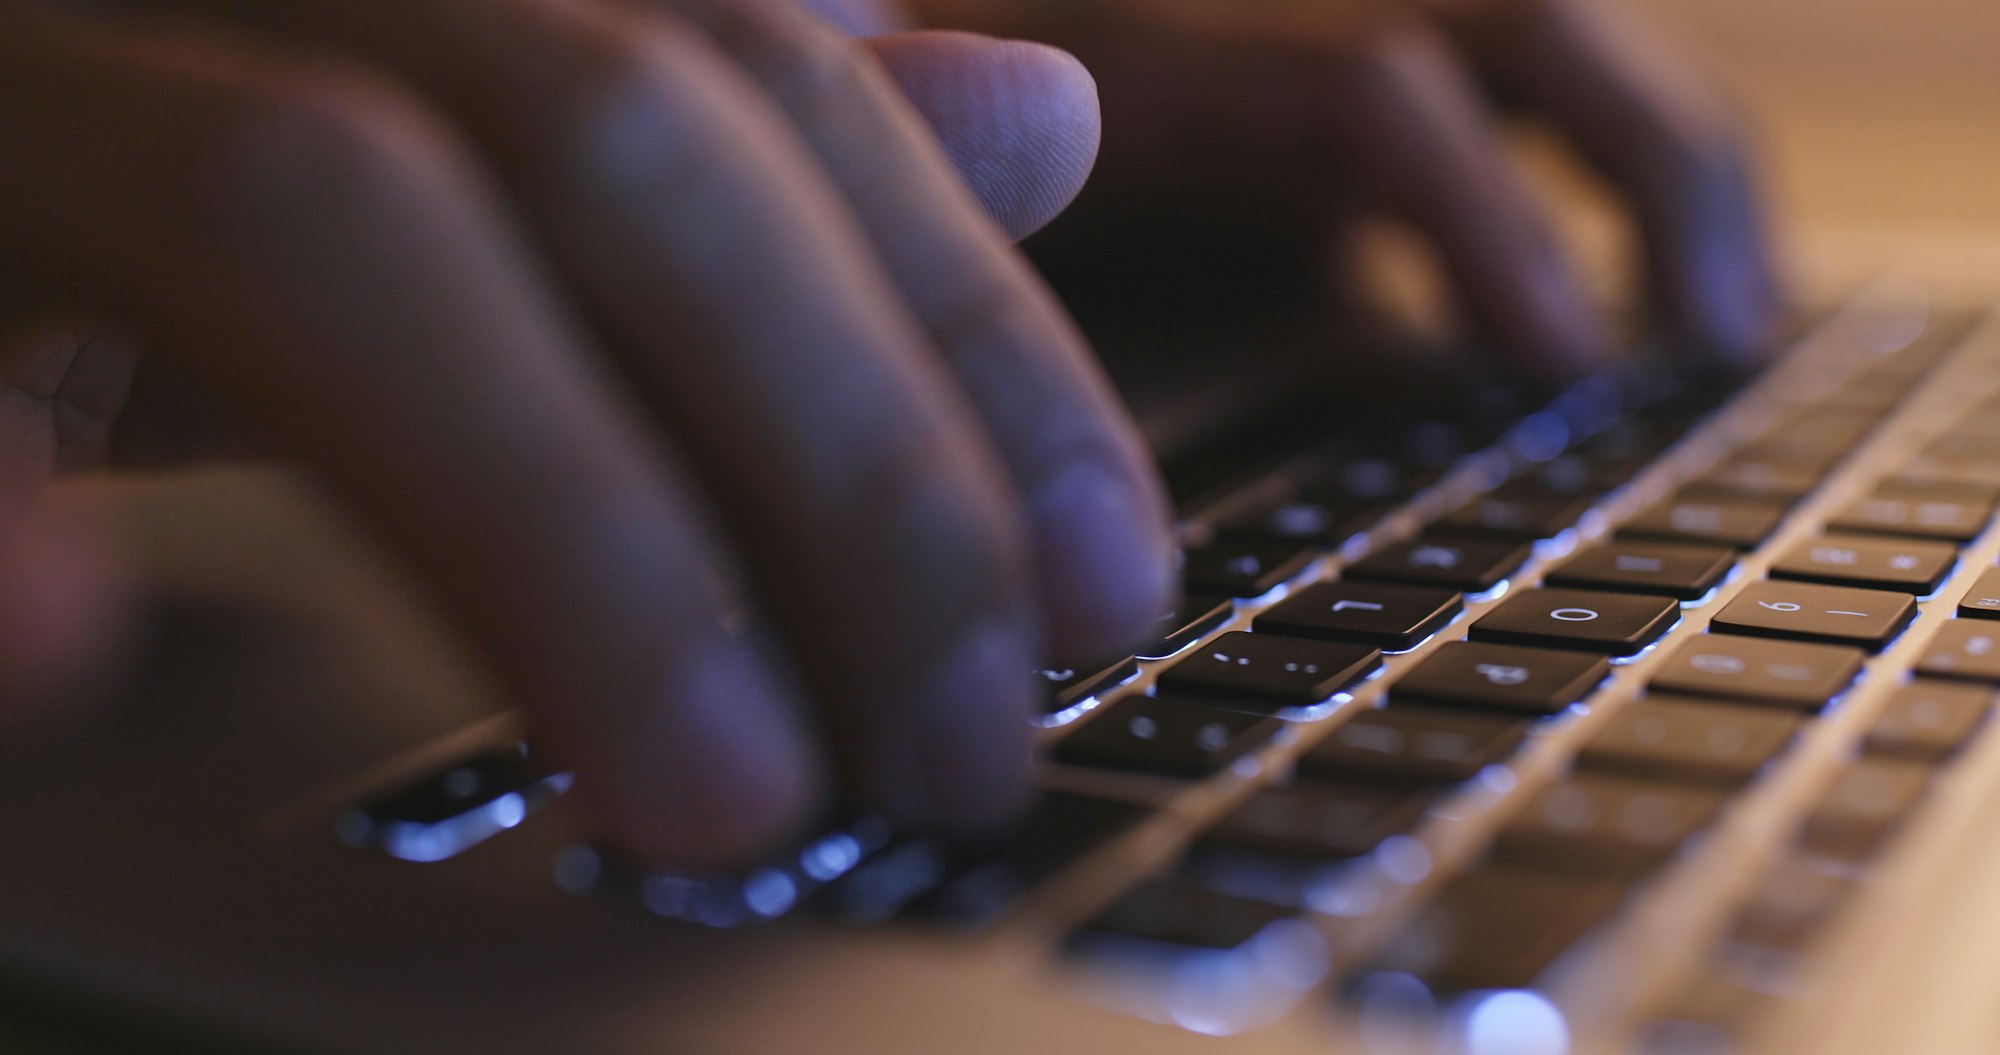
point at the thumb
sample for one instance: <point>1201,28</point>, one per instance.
<point>1020,120</point>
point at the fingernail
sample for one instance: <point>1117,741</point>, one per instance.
<point>1104,561</point>
<point>964,757</point>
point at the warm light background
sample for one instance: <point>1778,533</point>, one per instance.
<point>1879,122</point>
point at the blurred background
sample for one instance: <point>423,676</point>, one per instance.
<point>1878,121</point>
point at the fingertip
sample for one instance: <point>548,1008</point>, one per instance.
<point>1019,120</point>
<point>711,775</point>
<point>1104,560</point>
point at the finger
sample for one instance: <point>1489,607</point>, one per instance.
<point>1019,121</point>
<point>879,528</point>
<point>1659,133</point>
<point>318,249</point>
<point>1102,551</point>
<point>65,597</point>
<point>1426,147</point>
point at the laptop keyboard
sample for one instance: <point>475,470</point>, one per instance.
<point>1438,712</point>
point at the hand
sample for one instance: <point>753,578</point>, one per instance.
<point>620,323</point>
<point>1300,115</point>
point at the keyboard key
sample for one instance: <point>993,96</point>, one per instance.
<point>1516,512</point>
<point>1618,624</point>
<point>1503,677</point>
<point>1740,523</point>
<point>971,885</point>
<point>1244,567</point>
<point>1928,721</point>
<point>1170,738</point>
<point>1883,514</point>
<point>1838,615</point>
<point>1708,744</point>
<point>1396,618</point>
<point>1282,670</point>
<point>1931,489</point>
<point>1775,481</point>
<point>1414,745</point>
<point>1983,600</point>
<point>1320,821</point>
<point>1497,927</point>
<point>1324,521</point>
<point>1907,565</point>
<point>456,808</point>
<point>1964,648</point>
<point>1793,904</point>
<point>1066,685</point>
<point>1608,827</point>
<point>1470,565</point>
<point>1667,569</point>
<point>1969,470</point>
<point>1866,803</point>
<point>1195,616</point>
<point>1165,919</point>
<point>1781,673</point>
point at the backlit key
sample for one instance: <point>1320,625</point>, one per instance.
<point>1964,648</point>
<point>1705,743</point>
<point>1928,721</point>
<point>1780,673</point>
<point>1588,621</point>
<point>1983,600</point>
<point>1282,670</point>
<point>1502,677</point>
<point>1681,571</point>
<point>1414,745</point>
<point>1470,565</point>
<point>1740,523</point>
<point>1387,616</point>
<point>1909,565</point>
<point>1595,825</point>
<point>1838,615</point>
<point>1172,738</point>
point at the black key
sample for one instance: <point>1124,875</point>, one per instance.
<point>1780,673</point>
<point>1066,685</point>
<point>1325,521</point>
<point>1172,738</point>
<point>1282,670</point>
<point>1194,617</point>
<point>1909,565</point>
<point>1517,513</point>
<point>1938,490</point>
<point>971,885</point>
<point>1839,615</point>
<point>1964,648</point>
<point>1928,721</point>
<point>1618,624</point>
<point>1373,480</point>
<point>1470,565</point>
<point>1396,618</point>
<point>1980,471</point>
<point>1775,481</point>
<point>1244,567</point>
<point>1497,927</point>
<point>1174,915</point>
<point>1983,600</point>
<point>1663,568</point>
<point>1865,805</point>
<point>1319,822</point>
<point>1414,745</point>
<point>1740,523</point>
<point>1613,827</point>
<point>1792,905</point>
<point>454,809</point>
<point>1703,743</point>
<point>1503,677</point>
<point>1889,514</point>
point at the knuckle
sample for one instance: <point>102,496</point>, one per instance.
<point>321,141</point>
<point>801,66</point>
<point>633,106</point>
